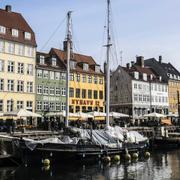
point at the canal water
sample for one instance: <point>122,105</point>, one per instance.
<point>160,166</point>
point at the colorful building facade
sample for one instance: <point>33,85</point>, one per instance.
<point>86,83</point>
<point>50,84</point>
<point>17,62</point>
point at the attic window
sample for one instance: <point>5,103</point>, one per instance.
<point>2,30</point>
<point>15,33</point>
<point>136,75</point>
<point>144,76</point>
<point>27,35</point>
<point>97,69</point>
<point>41,59</point>
<point>54,63</point>
<point>85,67</point>
<point>72,64</point>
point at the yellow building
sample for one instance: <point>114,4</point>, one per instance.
<point>17,62</point>
<point>174,88</point>
<point>87,91</point>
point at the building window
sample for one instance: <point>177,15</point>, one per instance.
<point>1,65</point>
<point>135,97</point>
<point>101,109</point>
<point>63,91</point>
<point>63,106</point>
<point>135,86</point>
<point>71,92</point>
<point>78,77</point>
<point>97,69</point>
<point>45,74</point>
<point>77,93</point>
<point>58,92</point>
<point>71,109</point>
<point>29,105</point>
<point>140,98</point>
<point>39,105</point>
<point>1,105</point>
<point>2,46</point>
<point>95,80</point>
<point>71,77</point>
<point>1,84</point>
<point>89,109</point>
<point>11,48</point>
<point>84,78</point>
<point>41,59</point>
<point>30,69</point>
<point>100,94</point>
<point>46,106</point>
<point>85,67</point>
<point>45,90</point>
<point>39,73</point>
<point>77,108</point>
<point>63,76</point>
<point>51,91</point>
<point>84,109</point>
<point>20,86</point>
<point>2,30</point>
<point>29,87</point>
<point>30,51</point>
<point>84,93</point>
<point>57,75</point>
<point>15,33</point>
<point>10,105</point>
<point>72,64</point>
<point>20,105</point>
<point>100,80</point>
<point>51,106</point>
<point>54,63</point>
<point>39,89</point>
<point>27,36</point>
<point>10,85</point>
<point>10,66</point>
<point>95,94</point>
<point>90,94</point>
<point>20,68</point>
<point>21,50</point>
<point>58,106</point>
<point>51,73</point>
<point>89,79</point>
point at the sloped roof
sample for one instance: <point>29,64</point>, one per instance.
<point>79,58</point>
<point>12,20</point>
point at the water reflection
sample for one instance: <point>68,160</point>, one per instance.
<point>162,165</point>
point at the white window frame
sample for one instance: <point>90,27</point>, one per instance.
<point>29,86</point>
<point>63,91</point>
<point>10,85</point>
<point>2,30</point>
<point>30,69</point>
<point>1,84</point>
<point>27,36</point>
<point>15,32</point>
<point>20,68</point>
<point>39,89</point>
<point>1,65</point>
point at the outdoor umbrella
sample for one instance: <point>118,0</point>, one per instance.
<point>26,113</point>
<point>97,114</point>
<point>155,115</point>
<point>117,114</point>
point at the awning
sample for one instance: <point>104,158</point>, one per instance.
<point>166,121</point>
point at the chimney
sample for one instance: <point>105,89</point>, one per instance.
<point>8,8</point>
<point>132,63</point>
<point>140,61</point>
<point>160,59</point>
<point>128,66</point>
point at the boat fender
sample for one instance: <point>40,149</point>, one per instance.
<point>135,155</point>
<point>147,154</point>
<point>46,162</point>
<point>116,158</point>
<point>127,157</point>
<point>107,159</point>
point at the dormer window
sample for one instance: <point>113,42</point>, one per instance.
<point>2,30</point>
<point>136,75</point>
<point>85,67</point>
<point>54,63</point>
<point>15,33</point>
<point>144,76</point>
<point>27,36</point>
<point>97,69</point>
<point>72,65</point>
<point>41,59</point>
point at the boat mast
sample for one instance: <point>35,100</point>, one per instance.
<point>108,66</point>
<point>68,39</point>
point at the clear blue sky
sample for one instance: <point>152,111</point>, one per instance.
<point>140,27</point>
